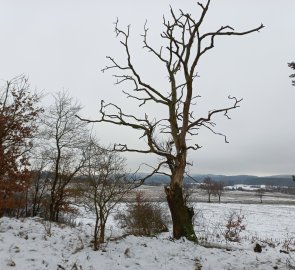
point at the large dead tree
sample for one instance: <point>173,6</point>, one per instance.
<point>184,46</point>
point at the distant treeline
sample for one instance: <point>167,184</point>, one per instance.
<point>229,180</point>
<point>280,181</point>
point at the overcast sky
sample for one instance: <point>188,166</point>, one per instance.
<point>62,44</point>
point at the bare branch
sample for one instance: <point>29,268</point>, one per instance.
<point>203,120</point>
<point>148,88</point>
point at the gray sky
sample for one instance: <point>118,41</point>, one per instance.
<point>62,44</point>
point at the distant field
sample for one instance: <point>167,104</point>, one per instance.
<point>248,197</point>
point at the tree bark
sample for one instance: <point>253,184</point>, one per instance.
<point>182,215</point>
<point>102,232</point>
<point>52,212</point>
<point>96,227</point>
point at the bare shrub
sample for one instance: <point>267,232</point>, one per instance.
<point>234,227</point>
<point>289,244</point>
<point>47,224</point>
<point>69,218</point>
<point>143,218</point>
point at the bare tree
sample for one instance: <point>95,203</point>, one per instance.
<point>105,185</point>
<point>65,137</point>
<point>218,189</point>
<point>39,184</point>
<point>260,193</point>
<point>184,45</point>
<point>209,186</point>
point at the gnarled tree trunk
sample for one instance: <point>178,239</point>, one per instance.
<point>181,214</point>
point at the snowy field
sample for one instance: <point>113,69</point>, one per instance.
<point>33,244</point>
<point>235,196</point>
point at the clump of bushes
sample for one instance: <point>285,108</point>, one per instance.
<point>143,218</point>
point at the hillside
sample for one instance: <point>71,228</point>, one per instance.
<point>35,244</point>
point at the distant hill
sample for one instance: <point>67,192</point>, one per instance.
<point>273,180</point>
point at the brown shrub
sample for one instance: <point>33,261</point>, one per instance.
<point>234,227</point>
<point>143,218</point>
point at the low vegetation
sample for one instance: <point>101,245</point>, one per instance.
<point>143,218</point>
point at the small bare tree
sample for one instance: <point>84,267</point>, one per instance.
<point>218,189</point>
<point>105,185</point>
<point>209,186</point>
<point>65,137</point>
<point>184,46</point>
<point>260,193</point>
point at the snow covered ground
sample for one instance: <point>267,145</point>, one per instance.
<point>33,244</point>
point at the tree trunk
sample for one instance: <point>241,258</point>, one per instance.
<point>95,243</point>
<point>102,220</point>
<point>27,203</point>
<point>56,214</point>
<point>182,216</point>
<point>102,232</point>
<point>96,227</point>
<point>51,208</point>
<point>34,211</point>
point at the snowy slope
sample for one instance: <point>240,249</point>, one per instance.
<point>33,244</point>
